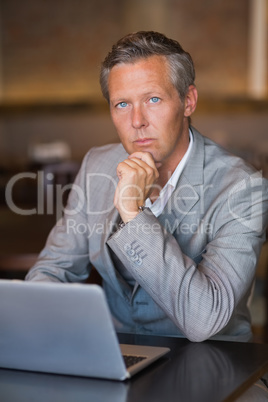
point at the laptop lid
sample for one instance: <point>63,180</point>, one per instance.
<point>64,329</point>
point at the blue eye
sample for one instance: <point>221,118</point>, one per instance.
<point>122,104</point>
<point>154,99</point>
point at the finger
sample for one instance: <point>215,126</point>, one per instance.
<point>144,156</point>
<point>142,168</point>
<point>129,168</point>
<point>138,163</point>
<point>132,164</point>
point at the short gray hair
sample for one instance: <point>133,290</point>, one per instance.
<point>143,44</point>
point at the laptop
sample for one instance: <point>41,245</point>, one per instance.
<point>64,329</point>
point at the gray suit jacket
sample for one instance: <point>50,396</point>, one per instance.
<point>188,272</point>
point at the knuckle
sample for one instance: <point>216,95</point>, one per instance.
<point>120,166</point>
<point>132,172</point>
<point>151,172</point>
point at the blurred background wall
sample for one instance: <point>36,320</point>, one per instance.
<point>51,50</point>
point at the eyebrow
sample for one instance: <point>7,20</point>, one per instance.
<point>116,101</point>
<point>149,93</point>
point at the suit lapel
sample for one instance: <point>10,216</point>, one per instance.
<point>187,193</point>
<point>179,205</point>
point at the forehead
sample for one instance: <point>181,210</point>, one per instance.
<point>150,71</point>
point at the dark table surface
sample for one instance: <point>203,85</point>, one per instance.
<point>210,371</point>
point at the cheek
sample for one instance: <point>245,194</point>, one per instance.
<point>120,122</point>
<point>164,117</point>
<point>123,132</point>
<point>115,119</point>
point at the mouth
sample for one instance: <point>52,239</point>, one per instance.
<point>144,141</point>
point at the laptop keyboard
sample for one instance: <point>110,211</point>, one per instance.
<point>131,360</point>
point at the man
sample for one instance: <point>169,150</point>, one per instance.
<point>172,222</point>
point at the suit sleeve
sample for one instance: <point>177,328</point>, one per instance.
<point>199,298</point>
<point>65,256</point>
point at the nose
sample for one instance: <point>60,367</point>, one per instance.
<point>138,117</point>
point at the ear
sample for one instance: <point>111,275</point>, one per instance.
<point>190,101</point>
